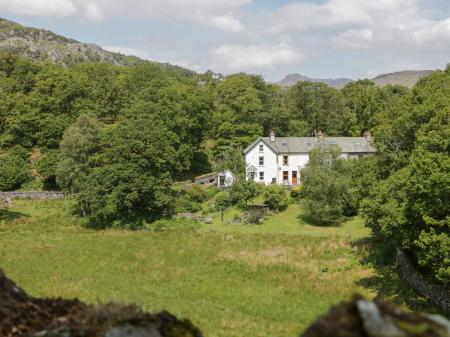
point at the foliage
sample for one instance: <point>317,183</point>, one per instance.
<point>14,169</point>
<point>275,196</point>
<point>315,106</point>
<point>410,208</point>
<point>80,142</point>
<point>231,160</point>
<point>296,192</point>
<point>46,167</point>
<point>190,198</point>
<point>326,193</point>
<point>222,201</point>
<point>242,191</point>
<point>130,181</point>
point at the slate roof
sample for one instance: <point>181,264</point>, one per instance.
<point>306,144</point>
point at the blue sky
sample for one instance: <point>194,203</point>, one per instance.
<point>317,38</point>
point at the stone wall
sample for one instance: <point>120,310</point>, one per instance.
<point>436,294</point>
<point>38,195</point>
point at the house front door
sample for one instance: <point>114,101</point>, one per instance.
<point>294,177</point>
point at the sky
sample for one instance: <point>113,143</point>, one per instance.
<point>316,38</point>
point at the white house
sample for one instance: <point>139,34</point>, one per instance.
<point>278,160</point>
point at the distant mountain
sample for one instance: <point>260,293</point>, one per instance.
<point>407,78</point>
<point>292,79</point>
<point>44,45</point>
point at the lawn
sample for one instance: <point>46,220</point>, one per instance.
<point>262,280</point>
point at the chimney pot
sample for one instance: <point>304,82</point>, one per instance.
<point>368,136</point>
<point>319,134</point>
<point>272,136</point>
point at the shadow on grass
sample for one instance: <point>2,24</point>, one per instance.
<point>8,216</point>
<point>307,220</point>
<point>387,283</point>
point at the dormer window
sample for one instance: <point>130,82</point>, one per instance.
<point>261,148</point>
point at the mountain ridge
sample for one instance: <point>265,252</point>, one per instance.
<point>404,77</point>
<point>44,45</point>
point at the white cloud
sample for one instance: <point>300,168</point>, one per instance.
<point>45,8</point>
<point>202,12</point>
<point>355,24</point>
<point>227,23</point>
<point>129,51</point>
<point>232,57</point>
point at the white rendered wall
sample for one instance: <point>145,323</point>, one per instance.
<point>296,162</point>
<point>270,167</point>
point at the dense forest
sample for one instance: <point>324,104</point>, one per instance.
<point>119,137</point>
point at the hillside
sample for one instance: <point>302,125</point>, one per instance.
<point>291,79</point>
<point>407,78</point>
<point>43,45</point>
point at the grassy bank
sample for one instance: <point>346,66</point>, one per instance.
<point>230,280</point>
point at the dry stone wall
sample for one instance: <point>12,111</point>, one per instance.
<point>36,195</point>
<point>436,294</point>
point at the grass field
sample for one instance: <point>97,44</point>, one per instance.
<point>230,280</point>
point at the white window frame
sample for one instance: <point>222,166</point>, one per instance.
<point>261,175</point>
<point>261,161</point>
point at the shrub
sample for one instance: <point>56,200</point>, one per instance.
<point>241,192</point>
<point>196,193</point>
<point>221,201</point>
<point>254,219</point>
<point>211,192</point>
<point>296,192</point>
<point>14,170</point>
<point>46,167</point>
<point>326,193</point>
<point>275,197</point>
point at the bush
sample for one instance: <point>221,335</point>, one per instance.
<point>254,219</point>
<point>275,197</point>
<point>326,194</point>
<point>211,192</point>
<point>221,201</point>
<point>14,170</point>
<point>296,192</point>
<point>241,192</point>
<point>46,167</point>
<point>196,193</point>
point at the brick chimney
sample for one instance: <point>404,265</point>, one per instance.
<point>368,136</point>
<point>272,135</point>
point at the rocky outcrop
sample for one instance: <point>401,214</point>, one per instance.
<point>362,318</point>
<point>24,316</point>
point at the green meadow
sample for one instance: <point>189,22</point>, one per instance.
<point>271,279</point>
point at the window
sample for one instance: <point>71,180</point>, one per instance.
<point>221,180</point>
<point>285,160</point>
<point>252,175</point>
<point>261,148</point>
<point>274,180</point>
<point>261,175</point>
<point>261,161</point>
<point>285,175</point>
